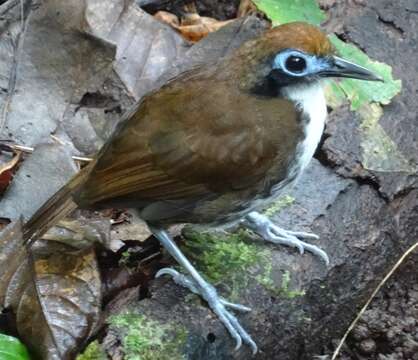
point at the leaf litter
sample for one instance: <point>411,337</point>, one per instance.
<point>68,49</point>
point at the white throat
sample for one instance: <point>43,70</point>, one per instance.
<point>311,101</point>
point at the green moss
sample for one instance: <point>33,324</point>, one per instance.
<point>235,261</point>
<point>146,339</point>
<point>222,257</point>
<point>281,203</point>
<point>92,352</point>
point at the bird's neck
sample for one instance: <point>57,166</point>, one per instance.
<point>310,100</point>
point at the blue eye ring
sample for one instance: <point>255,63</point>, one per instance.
<point>313,65</point>
<point>283,61</point>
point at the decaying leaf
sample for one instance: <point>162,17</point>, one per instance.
<point>167,18</point>
<point>246,7</point>
<point>12,255</point>
<point>50,164</point>
<point>192,27</point>
<point>54,65</point>
<point>6,171</point>
<point>54,290</point>
<point>80,232</point>
<point>145,47</point>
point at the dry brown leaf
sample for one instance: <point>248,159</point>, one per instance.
<point>81,232</point>
<point>246,7</point>
<point>7,170</point>
<point>192,27</point>
<point>167,18</point>
<point>54,290</point>
<point>198,28</point>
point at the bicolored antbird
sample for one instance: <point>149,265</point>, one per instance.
<point>212,145</point>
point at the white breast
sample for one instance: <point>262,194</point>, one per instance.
<point>311,101</point>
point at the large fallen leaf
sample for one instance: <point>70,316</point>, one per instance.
<point>146,48</point>
<point>50,66</point>
<point>12,349</point>
<point>54,290</point>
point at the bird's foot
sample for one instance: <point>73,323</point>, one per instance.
<point>218,305</point>
<point>264,227</point>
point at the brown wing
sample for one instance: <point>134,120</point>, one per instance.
<point>189,140</point>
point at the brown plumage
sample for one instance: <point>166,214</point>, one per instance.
<point>199,149</point>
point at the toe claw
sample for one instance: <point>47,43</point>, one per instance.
<point>265,228</point>
<point>238,345</point>
<point>167,271</point>
<point>300,247</point>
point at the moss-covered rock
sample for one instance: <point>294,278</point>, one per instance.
<point>146,339</point>
<point>93,352</point>
<point>235,261</point>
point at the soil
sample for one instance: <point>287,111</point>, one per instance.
<point>388,330</point>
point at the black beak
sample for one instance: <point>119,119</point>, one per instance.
<point>346,69</point>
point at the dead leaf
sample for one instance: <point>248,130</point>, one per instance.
<point>40,175</point>
<point>145,47</point>
<point>55,64</point>
<point>81,232</point>
<point>54,290</point>
<point>192,27</point>
<point>134,229</point>
<point>246,7</point>
<point>168,18</point>
<point>7,170</point>
<point>12,255</point>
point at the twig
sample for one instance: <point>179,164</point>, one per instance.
<point>372,296</point>
<point>29,150</point>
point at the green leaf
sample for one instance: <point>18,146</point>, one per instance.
<point>284,11</point>
<point>362,92</point>
<point>12,349</point>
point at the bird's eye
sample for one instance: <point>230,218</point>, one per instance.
<point>295,64</point>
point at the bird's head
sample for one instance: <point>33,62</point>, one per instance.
<point>293,53</point>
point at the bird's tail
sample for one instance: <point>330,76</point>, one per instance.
<point>56,208</point>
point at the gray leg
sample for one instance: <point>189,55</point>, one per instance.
<point>200,286</point>
<point>264,227</point>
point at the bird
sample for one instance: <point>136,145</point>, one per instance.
<point>212,146</point>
